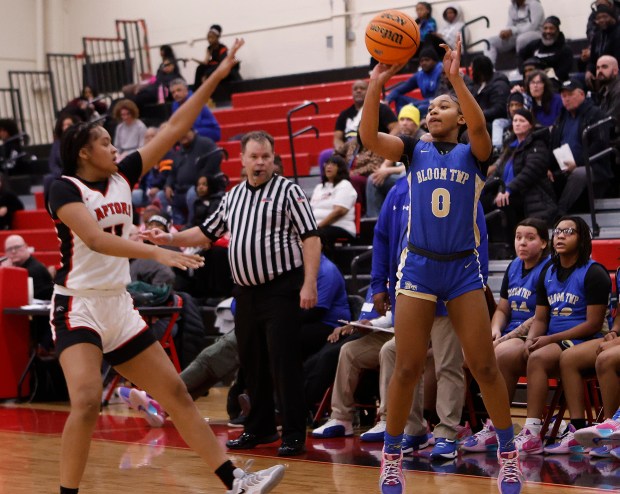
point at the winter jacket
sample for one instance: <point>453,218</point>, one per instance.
<point>588,114</point>
<point>530,164</point>
<point>206,124</point>
<point>493,97</point>
<point>557,56</point>
<point>604,43</point>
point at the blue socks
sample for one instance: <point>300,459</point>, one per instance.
<point>392,444</point>
<point>506,439</point>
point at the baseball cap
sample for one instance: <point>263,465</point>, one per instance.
<point>572,84</point>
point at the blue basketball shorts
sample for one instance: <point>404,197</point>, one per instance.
<point>430,279</point>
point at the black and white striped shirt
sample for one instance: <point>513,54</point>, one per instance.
<point>266,224</point>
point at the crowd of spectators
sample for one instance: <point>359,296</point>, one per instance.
<point>529,119</point>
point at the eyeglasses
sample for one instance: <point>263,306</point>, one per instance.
<point>566,231</point>
<point>14,248</point>
<point>537,83</point>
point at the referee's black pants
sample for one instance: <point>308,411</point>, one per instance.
<point>267,324</point>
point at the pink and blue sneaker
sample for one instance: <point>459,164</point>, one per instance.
<point>567,444</point>
<point>609,430</point>
<point>140,401</point>
<point>510,478</point>
<point>392,480</point>
<point>481,441</point>
<point>528,443</point>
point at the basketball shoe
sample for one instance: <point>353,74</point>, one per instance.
<point>334,428</point>
<point>567,444</point>
<point>510,478</point>
<point>259,482</point>
<point>528,443</point>
<point>607,430</point>
<point>483,440</point>
<point>143,403</point>
<point>392,480</point>
<point>415,443</point>
<point>376,434</point>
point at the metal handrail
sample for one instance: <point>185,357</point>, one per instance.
<point>292,135</point>
<point>464,36</point>
<point>611,121</point>
<point>355,268</point>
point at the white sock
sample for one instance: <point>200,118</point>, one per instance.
<point>534,425</point>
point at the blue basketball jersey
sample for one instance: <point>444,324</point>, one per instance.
<point>444,199</point>
<point>522,292</point>
<point>567,300</point>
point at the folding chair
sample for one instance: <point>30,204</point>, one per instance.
<point>166,341</point>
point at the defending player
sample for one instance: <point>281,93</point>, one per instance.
<point>92,314</point>
<point>440,261</point>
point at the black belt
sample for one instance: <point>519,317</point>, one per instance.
<point>439,257</point>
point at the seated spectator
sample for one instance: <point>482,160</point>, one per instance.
<point>608,86</point>
<point>525,21</point>
<point>152,184</point>
<point>87,106</point>
<point>607,365</point>
<point>348,120</point>
<point>514,316</point>
<point>492,89</point>
<point>502,127</point>
<point>454,24</point>
<point>129,133</point>
<point>180,190</point>
<point>546,103</point>
<point>11,149</point>
<point>606,41</point>
<point>154,89</point>
<point>206,124</point>
<point>216,52</point>
<point>592,28</point>
<point>18,255</point>
<point>332,306</point>
<point>166,52</point>
<point>54,163</point>
<point>551,49</point>
<point>383,178</point>
<point>426,24</point>
<point>210,190</point>
<point>333,203</point>
<point>427,79</point>
<point>578,113</point>
<point>521,175</point>
<point>572,300</point>
<point>9,203</point>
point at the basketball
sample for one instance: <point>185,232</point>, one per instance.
<point>392,37</point>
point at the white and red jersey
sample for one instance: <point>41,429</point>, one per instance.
<point>110,206</point>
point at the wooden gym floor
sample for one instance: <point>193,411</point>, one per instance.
<point>128,456</point>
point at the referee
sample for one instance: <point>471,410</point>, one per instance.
<point>274,255</point>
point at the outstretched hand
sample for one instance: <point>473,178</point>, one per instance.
<point>156,236</point>
<point>230,60</point>
<point>179,259</point>
<point>382,72</point>
<point>452,58</point>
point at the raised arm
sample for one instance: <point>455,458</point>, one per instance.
<point>476,124</point>
<point>385,145</point>
<point>182,120</point>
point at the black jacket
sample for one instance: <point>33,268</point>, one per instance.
<point>604,43</point>
<point>530,164</point>
<point>557,56</point>
<point>493,97</point>
<point>588,113</point>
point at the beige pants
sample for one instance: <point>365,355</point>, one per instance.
<point>355,356</point>
<point>448,357</point>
